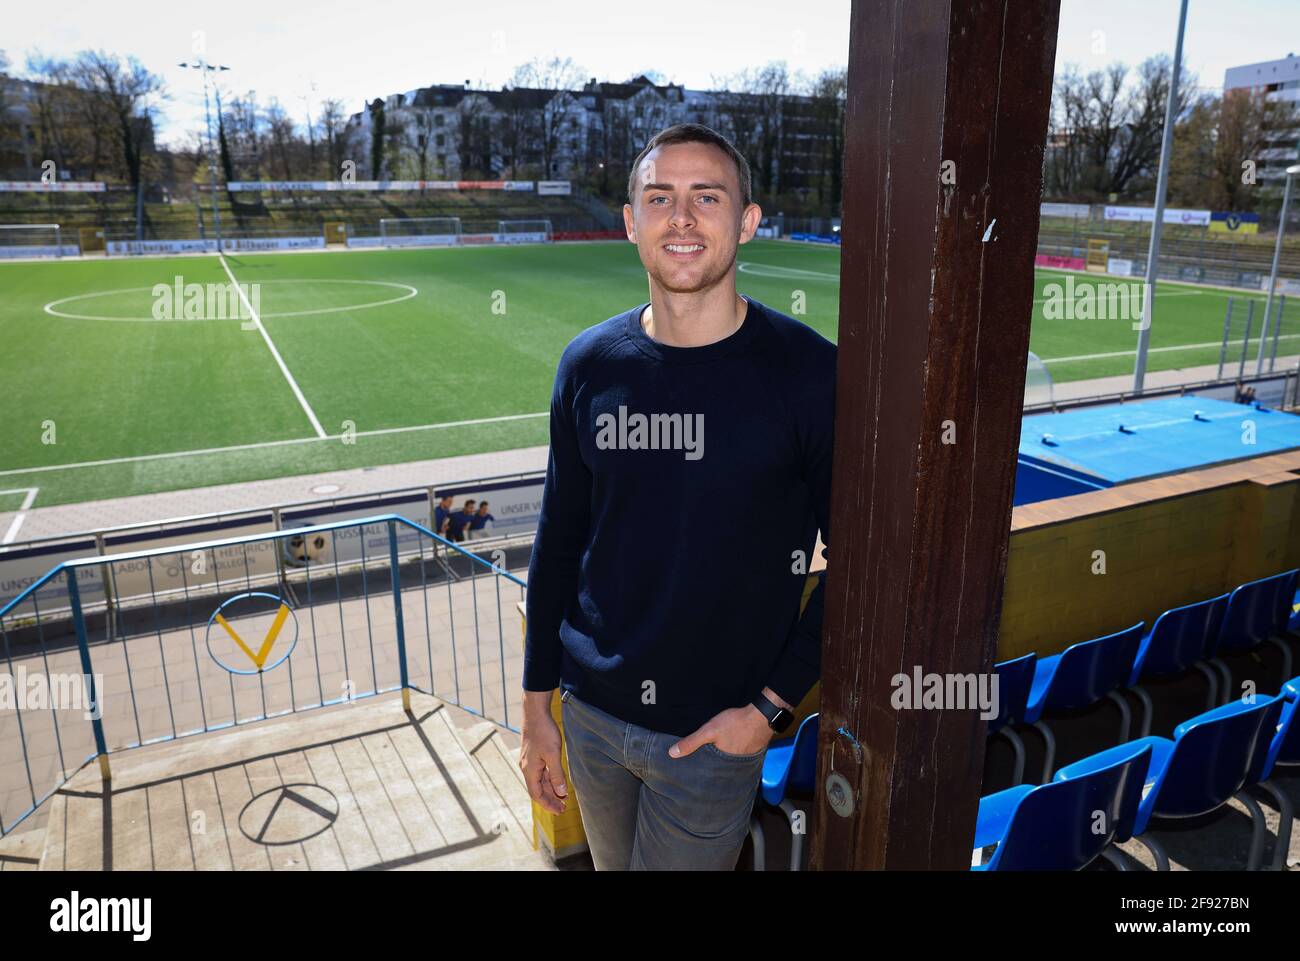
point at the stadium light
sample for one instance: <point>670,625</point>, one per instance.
<point>1277,254</point>
<point>1157,225</point>
<point>205,68</point>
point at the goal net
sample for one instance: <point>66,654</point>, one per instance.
<point>31,240</point>
<point>419,231</point>
<point>1038,382</point>
<point>524,231</point>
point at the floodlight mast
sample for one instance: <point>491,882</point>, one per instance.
<point>1272,275</point>
<point>1162,185</point>
<point>204,67</point>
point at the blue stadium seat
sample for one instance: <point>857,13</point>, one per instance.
<point>1254,617</point>
<point>1053,827</point>
<point>790,764</point>
<point>1286,748</point>
<point>1180,640</point>
<point>1212,758</point>
<point>1015,677</point>
<point>1284,751</point>
<point>1079,677</point>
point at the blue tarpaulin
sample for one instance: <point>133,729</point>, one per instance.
<point>1090,448</point>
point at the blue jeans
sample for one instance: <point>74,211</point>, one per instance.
<point>645,811</point>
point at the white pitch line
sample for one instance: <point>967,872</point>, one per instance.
<point>1153,350</point>
<point>270,443</point>
<point>779,272</point>
<point>1167,293</point>
<point>16,524</point>
<point>257,321</point>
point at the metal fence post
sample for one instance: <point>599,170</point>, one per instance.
<point>397,613</point>
<point>1277,329</point>
<point>1245,341</point>
<point>433,514</point>
<point>280,574</point>
<point>1227,332</point>
<point>1263,341</point>
<point>97,722</point>
<point>106,574</point>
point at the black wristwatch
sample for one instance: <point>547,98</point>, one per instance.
<point>778,718</point>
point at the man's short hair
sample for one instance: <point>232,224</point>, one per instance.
<point>695,133</point>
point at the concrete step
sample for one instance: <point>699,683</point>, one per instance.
<point>22,851</point>
<point>363,785</point>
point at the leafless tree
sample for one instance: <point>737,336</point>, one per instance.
<point>280,132</point>
<point>1108,130</point>
<point>474,140</point>
<point>828,93</point>
<point>333,121</point>
<point>557,75</point>
<point>126,92</point>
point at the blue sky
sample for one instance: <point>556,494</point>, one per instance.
<point>302,51</point>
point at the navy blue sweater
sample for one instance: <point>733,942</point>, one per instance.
<point>684,490</point>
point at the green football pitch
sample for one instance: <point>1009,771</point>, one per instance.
<point>363,358</point>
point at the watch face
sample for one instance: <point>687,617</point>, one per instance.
<point>782,721</point>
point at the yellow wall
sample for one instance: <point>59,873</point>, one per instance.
<point>1159,553</point>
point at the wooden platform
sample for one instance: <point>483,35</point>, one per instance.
<point>362,786</point>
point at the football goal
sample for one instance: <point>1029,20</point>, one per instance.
<point>419,231</point>
<point>31,240</point>
<point>524,231</point>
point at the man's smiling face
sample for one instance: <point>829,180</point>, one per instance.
<point>688,216</point>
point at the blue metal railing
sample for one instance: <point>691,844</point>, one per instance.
<point>136,674</point>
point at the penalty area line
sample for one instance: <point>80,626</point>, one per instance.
<point>284,369</point>
<point>139,458</point>
<point>16,524</point>
<point>1152,350</point>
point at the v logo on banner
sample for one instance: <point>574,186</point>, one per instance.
<point>260,657</point>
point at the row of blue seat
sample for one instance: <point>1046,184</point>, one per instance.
<point>1113,795</point>
<point>1212,757</point>
<point>1193,637</point>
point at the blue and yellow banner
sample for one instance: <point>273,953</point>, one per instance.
<point>1227,222</point>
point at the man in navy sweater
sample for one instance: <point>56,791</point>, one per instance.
<point>689,472</point>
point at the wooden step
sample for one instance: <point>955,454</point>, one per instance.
<point>498,761</point>
<point>357,786</point>
<point>22,851</point>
